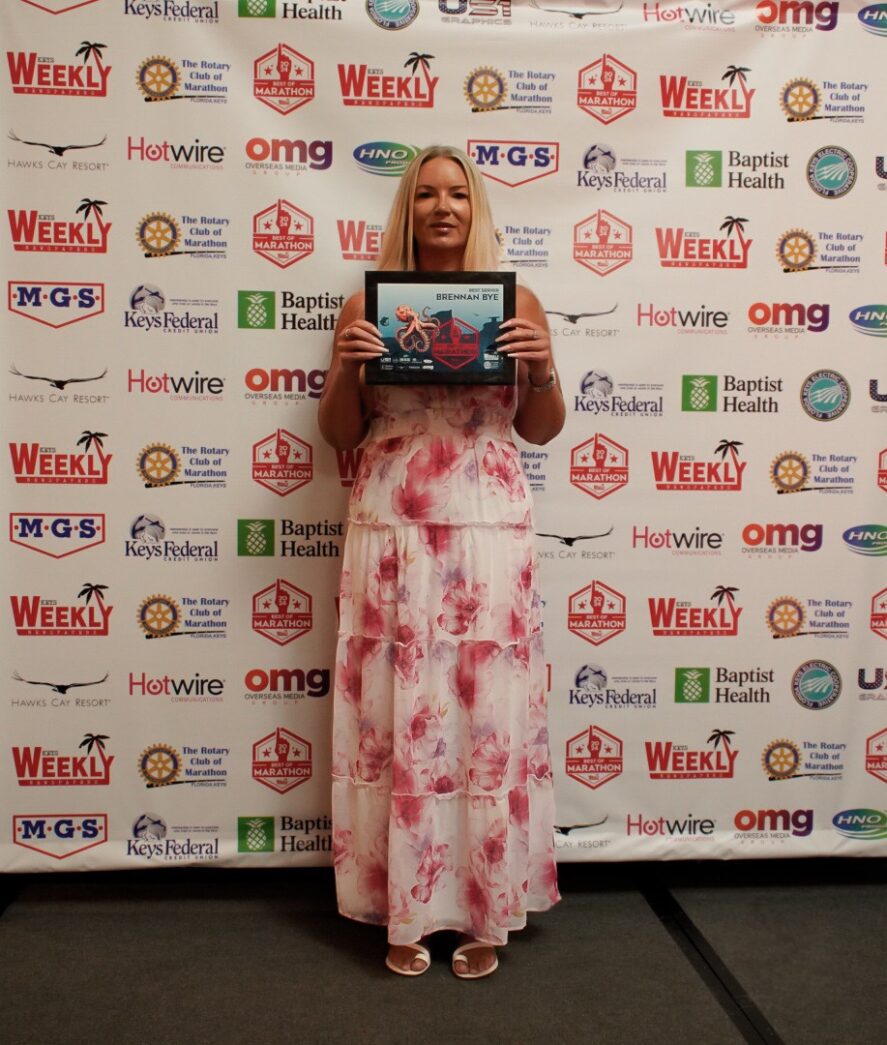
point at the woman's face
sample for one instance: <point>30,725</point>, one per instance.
<point>441,207</point>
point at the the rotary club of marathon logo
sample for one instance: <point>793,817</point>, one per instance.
<point>602,242</point>
<point>607,89</point>
<point>160,465</point>
<point>599,466</point>
<point>282,462</point>
<point>596,613</point>
<point>594,757</point>
<point>159,235</point>
<point>160,79</point>
<point>160,617</point>
<point>283,79</point>
<point>282,760</point>
<point>282,612</point>
<point>283,233</point>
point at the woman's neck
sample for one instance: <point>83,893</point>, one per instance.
<point>438,261</point>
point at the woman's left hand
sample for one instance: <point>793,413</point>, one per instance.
<point>522,339</point>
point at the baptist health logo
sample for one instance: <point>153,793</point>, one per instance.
<point>255,309</point>
<point>704,169</point>
<point>699,393</point>
<point>255,834</point>
<point>692,685</point>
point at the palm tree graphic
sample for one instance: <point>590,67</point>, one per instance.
<point>736,72</point>
<point>718,735</point>
<point>88,207</point>
<point>91,740</point>
<point>726,445</point>
<point>731,225</point>
<point>87,438</point>
<point>415,60</point>
<point>89,50</point>
<point>722,592</point>
<point>88,590</point>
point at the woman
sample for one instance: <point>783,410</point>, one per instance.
<point>442,797</point>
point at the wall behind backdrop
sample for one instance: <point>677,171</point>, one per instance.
<point>696,193</point>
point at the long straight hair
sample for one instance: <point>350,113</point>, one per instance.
<point>482,252</point>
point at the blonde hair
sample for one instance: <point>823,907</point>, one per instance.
<point>482,251</point>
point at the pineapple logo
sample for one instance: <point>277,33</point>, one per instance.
<point>699,393</point>
<point>255,537</point>
<point>257,8</point>
<point>255,834</point>
<point>255,309</point>
<point>704,168</point>
<point>692,685</point>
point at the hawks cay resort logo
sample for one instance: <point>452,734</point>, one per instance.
<point>200,80</point>
<point>282,462</point>
<point>798,250</point>
<point>745,685</point>
<point>791,617</point>
<point>674,617</point>
<point>160,465</point>
<point>514,163</point>
<point>685,99</point>
<point>57,535</point>
<point>680,248</point>
<point>198,11</point>
<point>607,89</point>
<point>793,472</point>
<point>153,839</point>
<point>176,156</point>
<point>57,161</point>
<point>59,835</point>
<point>281,760</point>
<point>297,538</point>
<point>667,760</point>
<point>602,242</point>
<point>161,616</point>
<point>283,79</point>
<point>366,85</point>
<point>89,766</point>
<point>311,10</point>
<point>57,386</point>
<point>150,309</point>
<point>796,16</point>
<point>201,237</point>
<point>526,91</point>
<point>596,613</point>
<point>33,73</point>
<point>842,101</point>
<point>787,319</point>
<point>602,169</point>
<point>33,463</point>
<point>55,304</point>
<point>475,12</point>
<point>282,612</point>
<point>151,540</point>
<point>285,685</point>
<point>192,388</point>
<point>742,395</point>
<point>705,169</point>
<point>592,687</point>
<point>283,233</point>
<point>33,231</point>
<point>201,765</point>
<point>673,470</point>
<point>594,757</point>
<point>38,615</point>
<point>600,394</point>
<point>287,155</point>
<point>599,466</point>
<point>60,699</point>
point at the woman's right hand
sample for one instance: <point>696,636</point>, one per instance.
<point>358,342</point>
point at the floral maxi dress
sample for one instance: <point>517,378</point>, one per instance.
<point>443,808</point>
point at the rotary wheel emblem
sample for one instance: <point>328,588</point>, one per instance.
<point>158,78</point>
<point>789,472</point>
<point>159,616</point>
<point>485,88</point>
<point>796,250</point>
<point>159,464</point>
<point>785,617</point>
<point>160,765</point>
<point>781,759</point>
<point>800,99</point>
<point>158,233</point>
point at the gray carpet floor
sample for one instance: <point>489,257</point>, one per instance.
<point>709,954</point>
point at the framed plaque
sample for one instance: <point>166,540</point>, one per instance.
<point>440,327</point>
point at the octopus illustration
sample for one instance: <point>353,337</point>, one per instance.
<point>418,333</point>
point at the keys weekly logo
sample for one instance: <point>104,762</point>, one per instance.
<point>673,618</point>
<point>33,463</point>
<point>39,767</point>
<point>669,761</point>
<point>361,85</point>
<point>684,98</point>
<point>673,470</point>
<point>359,240</point>
<point>37,615</point>
<point>31,73</point>
<point>32,230</point>
<point>679,248</point>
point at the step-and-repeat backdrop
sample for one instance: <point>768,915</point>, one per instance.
<point>694,189</point>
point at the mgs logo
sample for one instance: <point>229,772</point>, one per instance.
<point>599,466</point>
<point>59,835</point>
<point>31,73</point>
<point>282,612</point>
<point>281,760</point>
<point>602,243</point>
<point>55,305</point>
<point>56,535</point>
<point>57,7</point>
<point>607,89</point>
<point>514,163</point>
<point>596,613</point>
<point>283,79</point>
<point>283,234</point>
<point>282,462</point>
<point>594,757</point>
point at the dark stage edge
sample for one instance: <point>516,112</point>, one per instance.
<point>648,954</point>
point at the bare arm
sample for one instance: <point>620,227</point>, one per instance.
<point>540,415</point>
<point>341,413</point>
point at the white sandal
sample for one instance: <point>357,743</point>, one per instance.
<point>418,952</point>
<point>459,955</point>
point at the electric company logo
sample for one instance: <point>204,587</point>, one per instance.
<point>594,757</point>
<point>283,79</point>
<point>160,465</point>
<point>283,233</point>
<point>798,16</point>
<point>782,318</point>
<point>359,240</point>
<point>55,304</point>
<point>878,617</point>
<point>674,618</point>
<point>673,470</point>
<point>33,463</point>
<point>290,155</point>
<point>607,89</point>
<point>180,689</point>
<point>512,162</point>
<point>669,761</point>
<point>34,231</point>
<point>687,829</point>
<point>599,466</point>
<point>683,321</point>
<point>679,248</point>
<point>596,613</point>
<point>870,319</point>
<point>348,463</point>
<point>278,684</point>
<point>394,16</point>
<point>876,755</point>
<point>864,824</point>
<point>39,767</point>
<point>825,395</point>
<point>602,242</point>
<point>59,835</point>
<point>873,19</point>
<point>684,98</point>
<point>31,73</point>
<point>281,760</point>
<point>767,824</point>
<point>282,462</point>
<point>831,172</point>
<point>781,538</point>
<point>816,684</point>
<point>282,612</point>
<point>362,85</point>
<point>36,615</point>
<point>283,385</point>
<point>56,535</point>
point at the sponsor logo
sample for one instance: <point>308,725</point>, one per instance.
<point>256,309</point>
<point>878,617</point>
<point>348,463</point>
<point>593,688</point>
<point>59,835</point>
<point>277,385</point>
<point>599,466</point>
<point>148,541</point>
<point>699,394</point>
<point>298,539</point>
<point>283,79</point>
<point>693,16</point>
<point>873,18</point>
<point>161,616</point>
<point>669,761</point>
<point>684,98</point>
<point>39,767</point>
<point>152,840</point>
<point>283,233</point>
<point>732,685</point>
<point>594,757</point>
<point>37,615</point>
<point>475,12</point>
<point>861,823</point>
<point>831,172</point>
<point>180,690</point>
<point>57,7</point>
<point>689,828</point>
<point>255,834</point>
<point>692,685</point>
<point>514,163</point>
<point>607,89</point>
<point>602,242</point>
<point>597,396</point>
<point>671,617</point>
<point>683,321</point>
<point>486,89</point>
<point>160,79</point>
<point>268,9</point>
<point>596,613</point>
<point>868,686</point>
<point>60,700</point>
<point>31,73</point>
<point>525,246</point>
<point>569,552</point>
<point>278,685</point>
<point>55,304</point>
<point>781,318</point>
<point>359,240</point>
<point>160,235</point>
<point>781,538</point>
<point>282,612</point>
<point>599,171</point>
<point>281,760</point>
<point>876,755</point>
<point>56,535</point>
<point>56,162</point>
<point>678,542</point>
<point>868,539</point>
<point>802,98</point>
<point>193,157</point>
<point>191,388</point>
<point>361,85</point>
<point>704,169</point>
<point>174,10</point>
<point>255,537</point>
<point>819,759</point>
<point>870,319</point>
<point>533,463</point>
<point>796,15</point>
<point>282,462</point>
<point>160,765</point>
<point>792,472</point>
<point>150,310</point>
<point>288,155</point>
<point>673,470</point>
<point>33,463</point>
<point>768,824</point>
<point>882,470</point>
<point>388,159</point>
<point>797,249</point>
<point>787,617</point>
<point>32,231</point>
<point>679,248</point>
<point>825,395</point>
<point>816,684</point>
<point>160,465</point>
<point>392,14</point>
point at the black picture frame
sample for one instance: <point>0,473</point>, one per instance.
<point>462,312</point>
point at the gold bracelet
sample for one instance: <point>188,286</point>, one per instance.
<point>549,384</point>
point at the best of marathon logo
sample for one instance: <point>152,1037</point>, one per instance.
<point>55,304</point>
<point>33,463</point>
<point>36,615</point>
<point>673,470</point>
<point>32,231</point>
<point>281,760</point>
<point>282,462</point>
<point>283,233</point>
<point>607,89</point>
<point>596,613</point>
<point>282,612</point>
<point>679,248</point>
<point>599,466</point>
<point>365,85</point>
<point>31,73</point>
<point>59,835</point>
<point>514,163</point>
<point>283,79</point>
<point>56,535</point>
<point>594,757</point>
<point>675,618</point>
<point>40,767</point>
<point>602,242</point>
<point>684,98</point>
